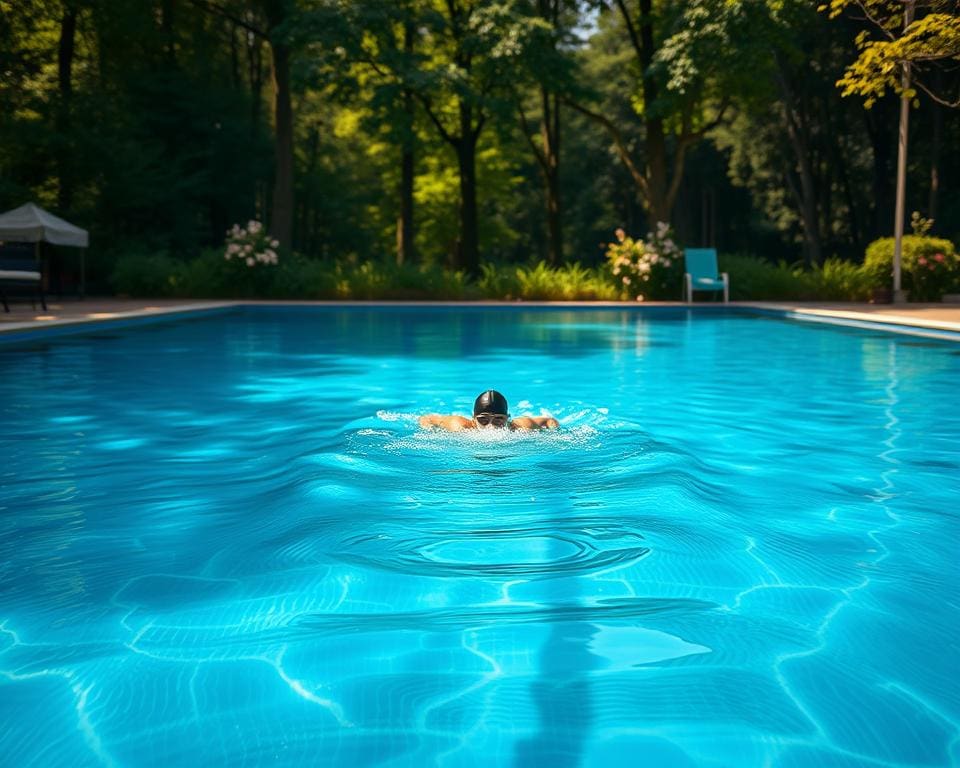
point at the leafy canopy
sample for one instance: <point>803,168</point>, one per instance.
<point>934,36</point>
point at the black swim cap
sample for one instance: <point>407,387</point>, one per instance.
<point>490,401</point>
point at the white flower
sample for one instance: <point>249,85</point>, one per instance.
<point>626,280</point>
<point>274,243</point>
<point>662,228</point>
<point>250,261</point>
<point>667,263</point>
<point>254,227</point>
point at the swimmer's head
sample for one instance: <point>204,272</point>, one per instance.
<point>490,410</point>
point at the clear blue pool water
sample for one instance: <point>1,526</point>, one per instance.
<point>224,541</point>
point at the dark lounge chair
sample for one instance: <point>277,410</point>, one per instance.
<point>19,269</point>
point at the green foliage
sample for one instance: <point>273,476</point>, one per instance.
<point>370,280</point>
<point>154,275</point>
<point>753,279</point>
<point>933,36</point>
<point>930,266</point>
<point>838,280</point>
<point>541,282</point>
<point>650,269</point>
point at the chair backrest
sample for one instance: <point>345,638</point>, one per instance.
<point>19,256</point>
<point>701,262</point>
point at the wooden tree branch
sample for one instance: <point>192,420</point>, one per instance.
<point>631,29</point>
<point>622,150</point>
<point>934,96</point>
<point>475,133</point>
<point>875,21</point>
<point>211,7</point>
<point>525,129</point>
<point>444,133</point>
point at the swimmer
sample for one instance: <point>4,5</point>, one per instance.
<point>489,411</point>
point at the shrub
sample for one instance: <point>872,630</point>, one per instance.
<point>541,282</point>
<point>386,280</point>
<point>839,280</point>
<point>650,269</point>
<point>498,282</point>
<point>211,276</point>
<point>930,266</point>
<point>148,275</point>
<point>250,245</point>
<point>298,277</point>
<point>752,278</point>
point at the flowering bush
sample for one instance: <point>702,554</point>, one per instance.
<point>250,245</point>
<point>647,269</point>
<point>930,266</point>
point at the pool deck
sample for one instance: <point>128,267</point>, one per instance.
<point>73,312</point>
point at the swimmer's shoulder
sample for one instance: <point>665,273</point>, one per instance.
<point>534,422</point>
<point>451,423</point>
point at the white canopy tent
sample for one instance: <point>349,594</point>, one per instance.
<point>31,224</point>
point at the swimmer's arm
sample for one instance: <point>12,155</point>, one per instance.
<point>534,422</point>
<point>449,423</point>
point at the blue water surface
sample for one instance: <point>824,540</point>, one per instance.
<point>225,541</point>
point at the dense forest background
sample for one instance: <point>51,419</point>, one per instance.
<point>459,132</point>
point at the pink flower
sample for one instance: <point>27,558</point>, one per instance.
<point>621,235</point>
<point>939,257</point>
<point>922,261</point>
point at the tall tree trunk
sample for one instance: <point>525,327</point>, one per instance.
<point>936,144</point>
<point>65,55</point>
<point>807,194</point>
<point>169,34</point>
<point>550,134</point>
<point>655,143</point>
<point>405,230</point>
<point>469,246</point>
<point>549,155</point>
<point>255,76</point>
<point>234,57</point>
<point>281,218</point>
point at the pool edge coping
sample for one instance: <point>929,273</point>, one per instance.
<point>892,323</point>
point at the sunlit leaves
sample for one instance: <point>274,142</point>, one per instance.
<point>931,37</point>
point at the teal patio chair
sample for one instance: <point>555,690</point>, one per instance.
<point>701,274</point>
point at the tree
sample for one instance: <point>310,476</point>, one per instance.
<point>273,29</point>
<point>550,68</point>
<point>465,75</point>
<point>930,33</point>
<point>682,61</point>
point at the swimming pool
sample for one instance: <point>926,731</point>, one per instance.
<point>223,541</point>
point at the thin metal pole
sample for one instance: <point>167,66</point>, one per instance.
<point>898,296</point>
